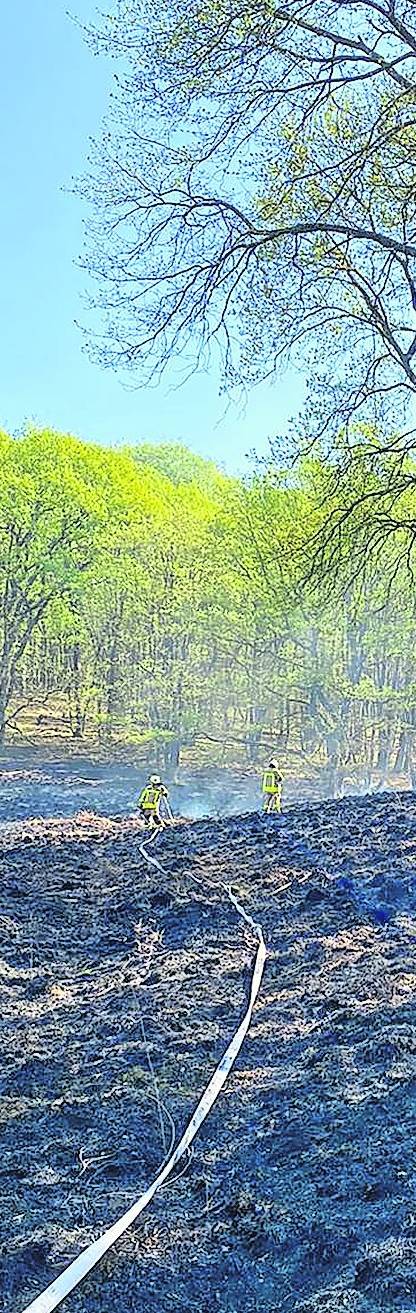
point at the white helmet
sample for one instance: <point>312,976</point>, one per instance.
<point>274,765</point>
<point>154,779</point>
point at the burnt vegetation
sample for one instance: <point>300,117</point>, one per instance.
<point>123,989</point>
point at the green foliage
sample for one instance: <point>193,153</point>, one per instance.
<point>180,465</point>
<point>163,605</point>
<point>270,206</point>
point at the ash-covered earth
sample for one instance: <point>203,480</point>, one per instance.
<point>120,989</point>
<point>33,784</point>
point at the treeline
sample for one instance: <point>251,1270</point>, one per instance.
<point>148,600</point>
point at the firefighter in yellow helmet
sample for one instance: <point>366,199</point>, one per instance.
<point>272,788</point>
<point>151,798</point>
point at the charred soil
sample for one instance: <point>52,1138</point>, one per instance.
<point>120,989</point>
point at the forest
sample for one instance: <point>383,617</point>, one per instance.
<point>248,223</point>
<point>154,604</point>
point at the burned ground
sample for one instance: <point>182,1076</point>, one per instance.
<point>119,991</point>
<point>33,783</point>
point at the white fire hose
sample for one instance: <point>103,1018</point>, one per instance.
<point>72,1276</point>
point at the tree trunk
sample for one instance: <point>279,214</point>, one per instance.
<point>76,714</point>
<point>169,754</point>
<point>3,714</point>
<point>113,677</point>
<point>401,762</point>
<point>7,686</point>
<point>384,750</point>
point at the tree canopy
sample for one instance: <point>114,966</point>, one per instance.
<point>150,601</point>
<point>255,191</point>
<point>257,185</point>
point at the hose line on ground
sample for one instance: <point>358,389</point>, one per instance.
<point>72,1276</point>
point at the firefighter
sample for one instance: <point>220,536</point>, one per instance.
<point>272,788</point>
<point>150,801</point>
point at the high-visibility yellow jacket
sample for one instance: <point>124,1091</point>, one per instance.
<point>150,797</point>
<point>272,782</point>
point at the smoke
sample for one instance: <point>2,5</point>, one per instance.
<point>216,793</point>
<point>66,788</point>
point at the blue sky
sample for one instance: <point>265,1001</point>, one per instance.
<point>53,96</point>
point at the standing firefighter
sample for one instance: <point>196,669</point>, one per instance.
<point>272,788</point>
<point>151,798</point>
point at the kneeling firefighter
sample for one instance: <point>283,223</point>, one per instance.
<point>150,803</point>
<point>272,788</point>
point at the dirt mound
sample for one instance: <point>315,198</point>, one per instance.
<point>119,991</point>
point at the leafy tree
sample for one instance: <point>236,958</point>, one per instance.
<point>157,604</point>
<point>50,512</point>
<point>257,181</point>
<point>272,186</point>
<point>181,465</point>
